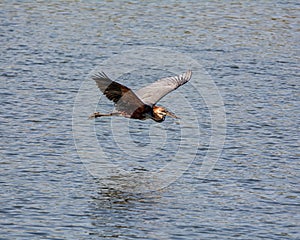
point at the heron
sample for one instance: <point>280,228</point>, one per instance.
<point>142,103</point>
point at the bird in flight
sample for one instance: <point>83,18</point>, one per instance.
<point>142,103</point>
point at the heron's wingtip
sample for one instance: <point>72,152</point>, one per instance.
<point>188,74</point>
<point>97,75</point>
<point>189,71</point>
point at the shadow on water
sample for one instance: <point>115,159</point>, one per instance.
<point>117,213</point>
<point>108,197</point>
<point>138,181</point>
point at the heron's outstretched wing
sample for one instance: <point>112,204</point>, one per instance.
<point>123,97</point>
<point>151,94</point>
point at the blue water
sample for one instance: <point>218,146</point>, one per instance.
<point>251,52</point>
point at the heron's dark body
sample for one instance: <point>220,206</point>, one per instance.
<point>140,112</point>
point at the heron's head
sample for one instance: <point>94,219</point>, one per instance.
<point>160,113</point>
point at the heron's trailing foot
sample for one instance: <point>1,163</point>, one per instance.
<point>98,114</point>
<point>95,115</point>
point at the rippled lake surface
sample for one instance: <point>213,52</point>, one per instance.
<point>250,50</point>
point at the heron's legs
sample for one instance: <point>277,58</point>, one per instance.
<point>98,114</point>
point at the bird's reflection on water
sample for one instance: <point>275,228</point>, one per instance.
<point>140,180</point>
<point>108,197</point>
<point>116,213</point>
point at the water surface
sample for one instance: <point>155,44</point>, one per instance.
<point>251,51</point>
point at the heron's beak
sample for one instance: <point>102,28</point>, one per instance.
<point>170,114</point>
